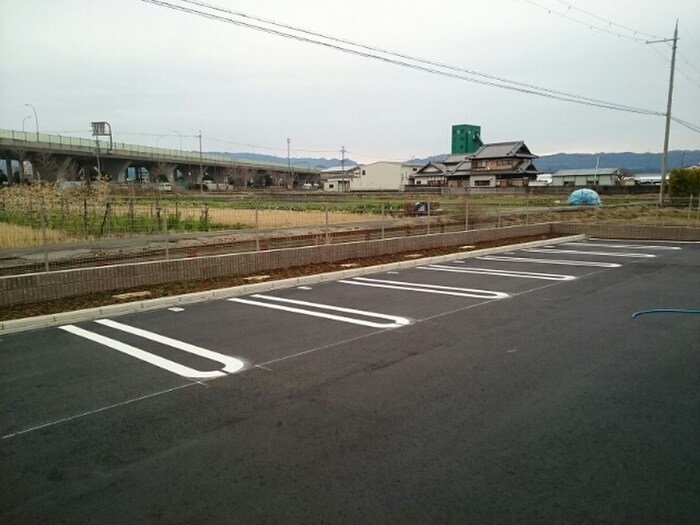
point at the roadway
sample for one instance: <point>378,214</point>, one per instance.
<point>508,388</point>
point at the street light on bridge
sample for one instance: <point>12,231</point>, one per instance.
<point>25,120</point>
<point>36,120</point>
<point>179,135</point>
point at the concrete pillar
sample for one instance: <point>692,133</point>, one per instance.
<point>8,170</point>
<point>62,167</point>
<point>115,168</point>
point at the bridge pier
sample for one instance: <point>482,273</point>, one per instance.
<point>63,172</point>
<point>115,168</point>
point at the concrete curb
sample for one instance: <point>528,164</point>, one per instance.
<point>89,314</point>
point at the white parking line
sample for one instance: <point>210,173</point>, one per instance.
<point>499,273</point>
<point>621,246</point>
<point>564,262</point>
<point>585,252</point>
<point>231,364</point>
<point>395,321</point>
<point>426,288</point>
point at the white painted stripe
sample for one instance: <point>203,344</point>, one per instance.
<point>396,321</point>
<point>621,246</point>
<point>585,252</point>
<point>303,287</point>
<point>231,364</point>
<point>176,309</point>
<point>637,240</point>
<point>427,288</point>
<point>132,351</point>
<point>563,262</point>
<point>499,273</point>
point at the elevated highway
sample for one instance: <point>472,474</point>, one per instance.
<point>58,157</point>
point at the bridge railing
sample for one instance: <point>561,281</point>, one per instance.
<point>47,140</point>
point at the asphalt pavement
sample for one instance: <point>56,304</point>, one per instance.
<point>513,387</point>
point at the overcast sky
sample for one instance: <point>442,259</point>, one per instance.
<point>152,73</point>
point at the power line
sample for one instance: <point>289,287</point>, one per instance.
<point>687,62</point>
<point>411,63</point>
<point>589,25</point>
<point>637,34</point>
<point>269,148</point>
<point>680,71</point>
<point>609,22</point>
<point>687,124</point>
<point>406,60</point>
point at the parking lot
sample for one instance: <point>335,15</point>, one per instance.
<point>510,387</point>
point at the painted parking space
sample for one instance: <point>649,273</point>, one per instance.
<point>441,287</point>
<point>222,338</point>
<point>488,391</point>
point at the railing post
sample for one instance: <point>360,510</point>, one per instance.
<point>257,226</point>
<point>466,216</point>
<point>690,206</point>
<point>328,229</point>
<point>382,221</point>
<point>167,240</point>
<point>527,211</point>
<point>428,217</point>
<point>44,238</point>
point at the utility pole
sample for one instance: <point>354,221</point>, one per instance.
<point>595,178</point>
<point>289,165</point>
<point>342,167</point>
<point>201,169</point>
<point>664,158</point>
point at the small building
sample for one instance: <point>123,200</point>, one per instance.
<point>338,178</point>
<point>645,179</point>
<point>432,174</point>
<point>383,176</point>
<point>589,177</point>
<point>503,164</point>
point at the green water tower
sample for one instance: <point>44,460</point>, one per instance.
<point>466,138</point>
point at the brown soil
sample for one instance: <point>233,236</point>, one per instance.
<point>19,311</point>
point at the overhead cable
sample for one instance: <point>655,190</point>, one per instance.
<point>609,22</point>
<point>409,62</point>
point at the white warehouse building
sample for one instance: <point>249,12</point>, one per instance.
<point>377,176</point>
<point>383,176</point>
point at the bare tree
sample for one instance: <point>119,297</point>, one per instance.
<point>22,155</point>
<point>161,172</point>
<point>45,166</point>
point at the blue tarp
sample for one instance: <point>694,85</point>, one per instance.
<point>584,196</point>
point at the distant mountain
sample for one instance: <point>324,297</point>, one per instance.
<point>632,162</point>
<point>319,163</point>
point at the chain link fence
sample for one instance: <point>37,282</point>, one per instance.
<point>44,228</point>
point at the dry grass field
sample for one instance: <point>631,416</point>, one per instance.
<point>12,236</point>
<point>265,218</point>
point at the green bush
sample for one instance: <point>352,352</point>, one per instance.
<point>683,182</point>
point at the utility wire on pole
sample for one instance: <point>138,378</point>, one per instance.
<point>664,158</point>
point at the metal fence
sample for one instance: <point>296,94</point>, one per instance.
<point>44,229</point>
<point>33,139</point>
